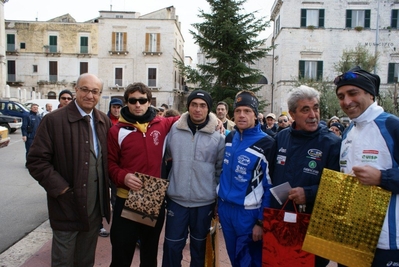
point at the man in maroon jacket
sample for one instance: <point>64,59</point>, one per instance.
<point>69,159</point>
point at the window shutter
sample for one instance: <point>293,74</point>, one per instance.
<point>147,42</point>
<point>113,41</point>
<point>319,70</point>
<point>394,19</point>
<point>124,41</point>
<point>391,72</point>
<point>303,17</point>
<point>348,18</point>
<point>367,18</point>
<point>321,18</point>
<point>158,42</point>
<point>301,69</point>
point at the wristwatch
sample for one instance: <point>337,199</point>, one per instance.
<point>259,223</point>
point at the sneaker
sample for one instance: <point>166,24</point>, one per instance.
<point>103,233</point>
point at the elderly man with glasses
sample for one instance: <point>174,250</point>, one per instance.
<point>70,161</point>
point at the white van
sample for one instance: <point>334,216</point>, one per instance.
<point>42,104</point>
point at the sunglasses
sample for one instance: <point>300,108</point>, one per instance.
<point>66,98</point>
<point>349,76</point>
<point>133,101</point>
<point>280,121</point>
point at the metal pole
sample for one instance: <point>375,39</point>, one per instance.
<point>377,29</point>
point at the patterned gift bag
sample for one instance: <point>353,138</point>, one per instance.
<point>346,220</point>
<point>143,206</point>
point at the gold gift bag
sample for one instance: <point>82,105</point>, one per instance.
<point>346,220</point>
<point>144,205</point>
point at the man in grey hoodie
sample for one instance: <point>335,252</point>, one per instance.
<point>197,152</point>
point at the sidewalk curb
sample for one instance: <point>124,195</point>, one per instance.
<point>27,246</point>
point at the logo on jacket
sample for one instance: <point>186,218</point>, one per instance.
<point>370,155</point>
<point>244,160</point>
<point>281,159</point>
<point>155,136</point>
<point>282,150</point>
<point>315,153</point>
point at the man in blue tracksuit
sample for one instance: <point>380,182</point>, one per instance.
<point>29,126</point>
<point>370,149</point>
<point>303,150</point>
<point>244,183</point>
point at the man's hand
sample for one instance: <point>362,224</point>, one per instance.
<point>257,232</point>
<point>133,182</point>
<point>297,194</point>
<point>367,175</point>
<point>24,138</point>
<point>220,127</point>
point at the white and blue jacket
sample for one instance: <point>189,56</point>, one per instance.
<point>245,179</point>
<point>373,139</point>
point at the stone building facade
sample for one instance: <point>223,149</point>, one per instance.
<point>44,58</point>
<point>310,37</point>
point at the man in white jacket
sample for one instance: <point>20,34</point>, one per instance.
<point>196,148</point>
<point>370,149</point>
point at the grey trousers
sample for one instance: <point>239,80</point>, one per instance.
<point>74,248</point>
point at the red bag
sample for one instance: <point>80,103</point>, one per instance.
<point>283,236</point>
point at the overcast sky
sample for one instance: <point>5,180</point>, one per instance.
<point>83,10</point>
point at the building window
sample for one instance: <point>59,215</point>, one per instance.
<point>35,68</point>
<point>11,71</point>
<point>119,16</point>
<point>393,72</point>
<point>53,44</point>
<point>277,26</point>
<point>312,70</point>
<point>358,18</point>
<point>152,77</point>
<point>119,41</point>
<point>118,77</point>
<point>53,71</point>
<point>83,67</point>
<point>22,46</point>
<point>152,42</point>
<point>10,42</point>
<point>394,19</point>
<point>84,44</point>
<point>312,17</point>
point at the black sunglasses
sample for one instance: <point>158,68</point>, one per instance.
<point>133,101</point>
<point>280,121</point>
<point>349,76</point>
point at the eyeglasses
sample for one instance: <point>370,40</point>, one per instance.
<point>349,76</point>
<point>281,121</point>
<point>66,98</point>
<point>133,101</point>
<point>86,91</point>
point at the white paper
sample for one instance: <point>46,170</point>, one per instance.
<point>290,217</point>
<point>281,191</point>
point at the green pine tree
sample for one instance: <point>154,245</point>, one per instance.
<point>228,39</point>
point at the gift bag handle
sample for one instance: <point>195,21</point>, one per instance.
<point>296,210</point>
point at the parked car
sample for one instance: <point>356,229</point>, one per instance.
<point>4,139</point>
<point>11,123</point>
<point>13,108</point>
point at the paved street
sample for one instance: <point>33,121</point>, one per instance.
<point>23,200</point>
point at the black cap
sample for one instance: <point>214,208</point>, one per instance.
<point>360,78</point>
<point>65,91</point>
<point>246,99</point>
<point>202,95</point>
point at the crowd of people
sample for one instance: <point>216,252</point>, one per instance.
<point>216,166</point>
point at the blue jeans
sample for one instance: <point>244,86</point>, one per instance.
<point>179,222</point>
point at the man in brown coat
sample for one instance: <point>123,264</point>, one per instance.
<point>69,159</point>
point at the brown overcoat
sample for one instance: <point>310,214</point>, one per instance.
<point>59,158</point>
